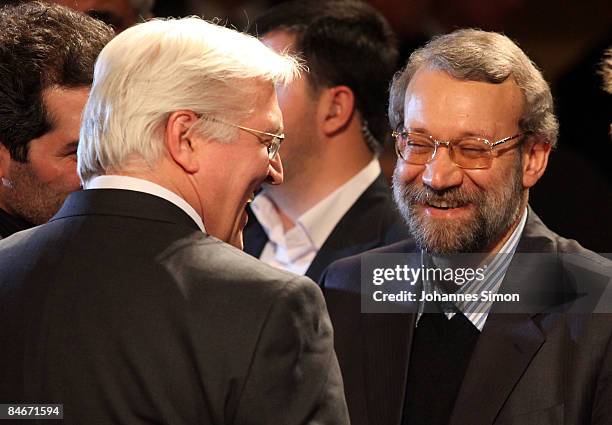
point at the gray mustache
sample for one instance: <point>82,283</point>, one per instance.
<point>418,195</point>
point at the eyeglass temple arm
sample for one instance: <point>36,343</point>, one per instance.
<point>506,139</point>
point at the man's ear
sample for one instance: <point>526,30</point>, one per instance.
<point>535,159</point>
<point>5,160</point>
<point>337,106</point>
<point>178,140</point>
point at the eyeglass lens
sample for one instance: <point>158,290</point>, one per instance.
<point>418,149</point>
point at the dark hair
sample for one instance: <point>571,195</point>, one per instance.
<point>344,42</point>
<point>41,46</point>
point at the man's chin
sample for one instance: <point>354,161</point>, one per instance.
<point>438,235</point>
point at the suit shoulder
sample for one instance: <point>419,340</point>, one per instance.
<point>347,270</point>
<point>403,246</point>
<point>571,250</point>
<point>226,265</point>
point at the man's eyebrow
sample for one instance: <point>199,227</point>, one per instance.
<point>478,133</point>
<point>416,130</point>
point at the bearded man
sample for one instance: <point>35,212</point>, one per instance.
<point>474,129</point>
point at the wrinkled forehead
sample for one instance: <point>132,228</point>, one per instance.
<point>434,98</point>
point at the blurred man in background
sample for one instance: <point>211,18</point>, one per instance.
<point>47,55</point>
<point>334,201</point>
<point>120,14</point>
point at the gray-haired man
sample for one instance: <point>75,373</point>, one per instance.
<point>135,303</point>
<point>474,126</point>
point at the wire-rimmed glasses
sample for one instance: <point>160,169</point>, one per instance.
<point>467,152</point>
<point>273,141</point>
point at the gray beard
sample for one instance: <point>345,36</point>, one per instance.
<point>495,213</point>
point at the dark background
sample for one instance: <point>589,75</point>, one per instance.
<point>565,38</point>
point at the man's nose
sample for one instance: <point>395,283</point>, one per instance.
<point>441,172</point>
<point>275,171</point>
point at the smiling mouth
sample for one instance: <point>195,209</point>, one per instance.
<point>443,205</point>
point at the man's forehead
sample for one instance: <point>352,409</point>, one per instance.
<point>267,110</point>
<point>479,105</point>
<point>63,104</point>
<point>281,41</point>
<point>442,78</point>
<point>87,5</point>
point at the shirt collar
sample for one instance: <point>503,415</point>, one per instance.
<point>145,186</point>
<point>478,311</point>
<point>512,242</point>
<point>320,220</point>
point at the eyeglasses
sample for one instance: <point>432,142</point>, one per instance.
<point>272,143</point>
<point>467,152</point>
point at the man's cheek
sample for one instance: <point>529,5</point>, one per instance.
<point>62,177</point>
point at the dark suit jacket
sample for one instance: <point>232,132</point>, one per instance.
<point>10,224</point>
<point>124,311</point>
<point>533,368</point>
<point>371,222</point>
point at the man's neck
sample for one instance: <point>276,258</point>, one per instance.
<point>298,195</point>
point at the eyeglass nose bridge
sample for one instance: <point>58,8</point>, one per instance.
<point>437,144</point>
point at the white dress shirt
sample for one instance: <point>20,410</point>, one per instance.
<point>145,186</point>
<point>296,249</point>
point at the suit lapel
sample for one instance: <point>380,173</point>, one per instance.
<point>509,341</point>
<point>504,350</point>
<point>333,250</point>
<point>358,230</point>
<point>255,238</point>
<point>387,340</point>
<point>387,343</point>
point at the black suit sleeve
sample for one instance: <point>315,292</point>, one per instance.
<point>602,407</point>
<point>294,367</point>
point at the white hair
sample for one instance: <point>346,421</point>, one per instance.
<point>161,66</point>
